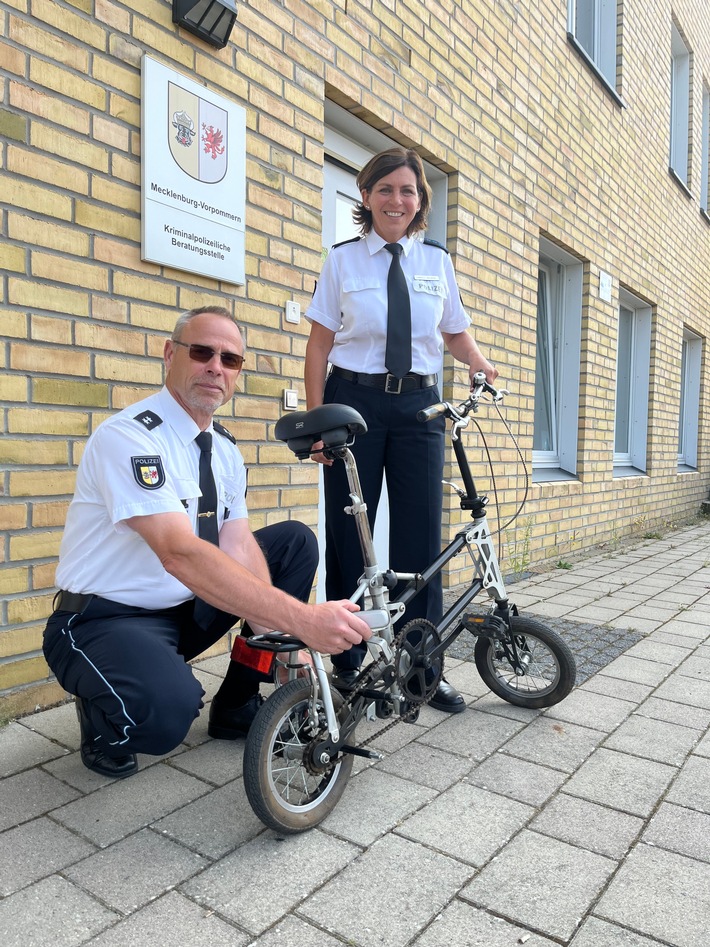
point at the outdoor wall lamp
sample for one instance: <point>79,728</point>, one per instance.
<point>211,20</point>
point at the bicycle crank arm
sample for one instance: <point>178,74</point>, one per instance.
<point>359,751</point>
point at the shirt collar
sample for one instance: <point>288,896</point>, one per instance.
<point>375,243</point>
<point>173,413</point>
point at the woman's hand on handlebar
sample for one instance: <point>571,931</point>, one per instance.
<point>318,456</point>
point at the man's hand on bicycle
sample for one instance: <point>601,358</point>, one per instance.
<point>334,627</point>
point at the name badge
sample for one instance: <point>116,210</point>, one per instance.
<point>431,285</point>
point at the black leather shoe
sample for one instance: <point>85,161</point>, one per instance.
<point>343,680</point>
<point>232,723</point>
<point>448,699</point>
<point>96,760</point>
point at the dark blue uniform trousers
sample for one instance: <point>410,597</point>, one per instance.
<point>411,456</point>
<point>130,666</point>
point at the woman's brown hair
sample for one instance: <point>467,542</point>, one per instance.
<point>380,166</point>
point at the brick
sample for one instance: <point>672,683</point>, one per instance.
<point>78,88</point>
<point>62,270</point>
<point>57,142</point>
<point>109,309</point>
<point>33,483</point>
<point>14,258</point>
<point>14,641</point>
<point>102,220</point>
<point>35,545</point>
<point>12,125</point>
<point>98,337</point>
<point>38,421</point>
<point>82,28</point>
<point>149,290</point>
<point>42,233</point>
<point>48,45</point>
<point>25,357</point>
<point>126,369</point>
<point>106,71</point>
<point>50,329</point>
<point>35,197</point>
<point>17,673</point>
<point>36,296</point>
<point>112,133</point>
<point>26,452</point>
<point>27,609</point>
<point>49,514</point>
<point>43,576</point>
<point>13,515</point>
<point>57,391</point>
<point>13,387</point>
<point>11,581</point>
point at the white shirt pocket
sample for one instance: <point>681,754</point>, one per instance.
<point>355,284</point>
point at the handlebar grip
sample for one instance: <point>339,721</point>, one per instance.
<point>433,411</point>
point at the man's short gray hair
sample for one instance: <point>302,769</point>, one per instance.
<point>185,317</point>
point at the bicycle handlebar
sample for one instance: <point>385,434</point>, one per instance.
<point>480,385</point>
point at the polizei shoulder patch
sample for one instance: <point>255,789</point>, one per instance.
<point>148,472</point>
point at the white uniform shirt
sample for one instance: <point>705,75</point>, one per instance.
<point>133,466</point>
<point>351,299</point>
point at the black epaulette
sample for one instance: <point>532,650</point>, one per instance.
<point>149,419</point>
<point>221,429</point>
<point>434,243</point>
<point>344,243</point>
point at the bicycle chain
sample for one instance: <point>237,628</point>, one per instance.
<point>381,664</point>
<point>416,705</point>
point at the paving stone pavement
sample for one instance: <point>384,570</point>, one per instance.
<point>586,824</point>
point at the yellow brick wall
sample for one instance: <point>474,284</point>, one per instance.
<point>491,92</point>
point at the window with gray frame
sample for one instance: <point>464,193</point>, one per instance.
<point>633,362</point>
<point>680,107</point>
<point>557,368</point>
<point>689,415</point>
<point>705,158</point>
<point>592,27</point>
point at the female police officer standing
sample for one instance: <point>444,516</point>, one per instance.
<point>359,306</point>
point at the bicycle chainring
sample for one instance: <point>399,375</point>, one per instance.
<point>418,674</point>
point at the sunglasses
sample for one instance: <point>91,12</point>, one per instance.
<point>204,354</point>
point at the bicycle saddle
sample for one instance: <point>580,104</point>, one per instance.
<point>334,424</point>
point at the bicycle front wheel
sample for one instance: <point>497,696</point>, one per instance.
<point>546,670</point>
<point>286,790</point>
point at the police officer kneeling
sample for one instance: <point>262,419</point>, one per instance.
<point>157,562</point>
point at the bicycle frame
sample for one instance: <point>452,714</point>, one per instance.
<point>376,584</point>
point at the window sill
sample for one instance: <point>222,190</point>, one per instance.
<point>595,69</point>
<point>551,475</point>
<point>705,214</point>
<point>680,182</point>
<point>686,469</point>
<point>628,472</point>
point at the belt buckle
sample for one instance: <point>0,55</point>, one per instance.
<point>393,380</point>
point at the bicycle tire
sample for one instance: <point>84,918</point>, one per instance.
<point>283,792</point>
<point>550,666</point>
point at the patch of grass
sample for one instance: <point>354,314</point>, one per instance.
<point>563,564</point>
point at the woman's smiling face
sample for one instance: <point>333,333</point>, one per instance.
<point>394,202</point>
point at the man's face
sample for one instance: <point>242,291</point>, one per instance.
<point>200,387</point>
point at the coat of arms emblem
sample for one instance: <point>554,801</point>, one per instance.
<point>197,134</point>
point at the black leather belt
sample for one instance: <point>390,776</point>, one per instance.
<point>71,601</point>
<point>386,382</point>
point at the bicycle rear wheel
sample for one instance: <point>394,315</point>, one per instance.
<point>547,668</point>
<point>285,789</point>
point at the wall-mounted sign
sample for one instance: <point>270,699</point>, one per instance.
<point>605,286</point>
<point>193,176</point>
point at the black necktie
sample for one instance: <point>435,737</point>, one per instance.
<point>207,526</point>
<point>398,354</point>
